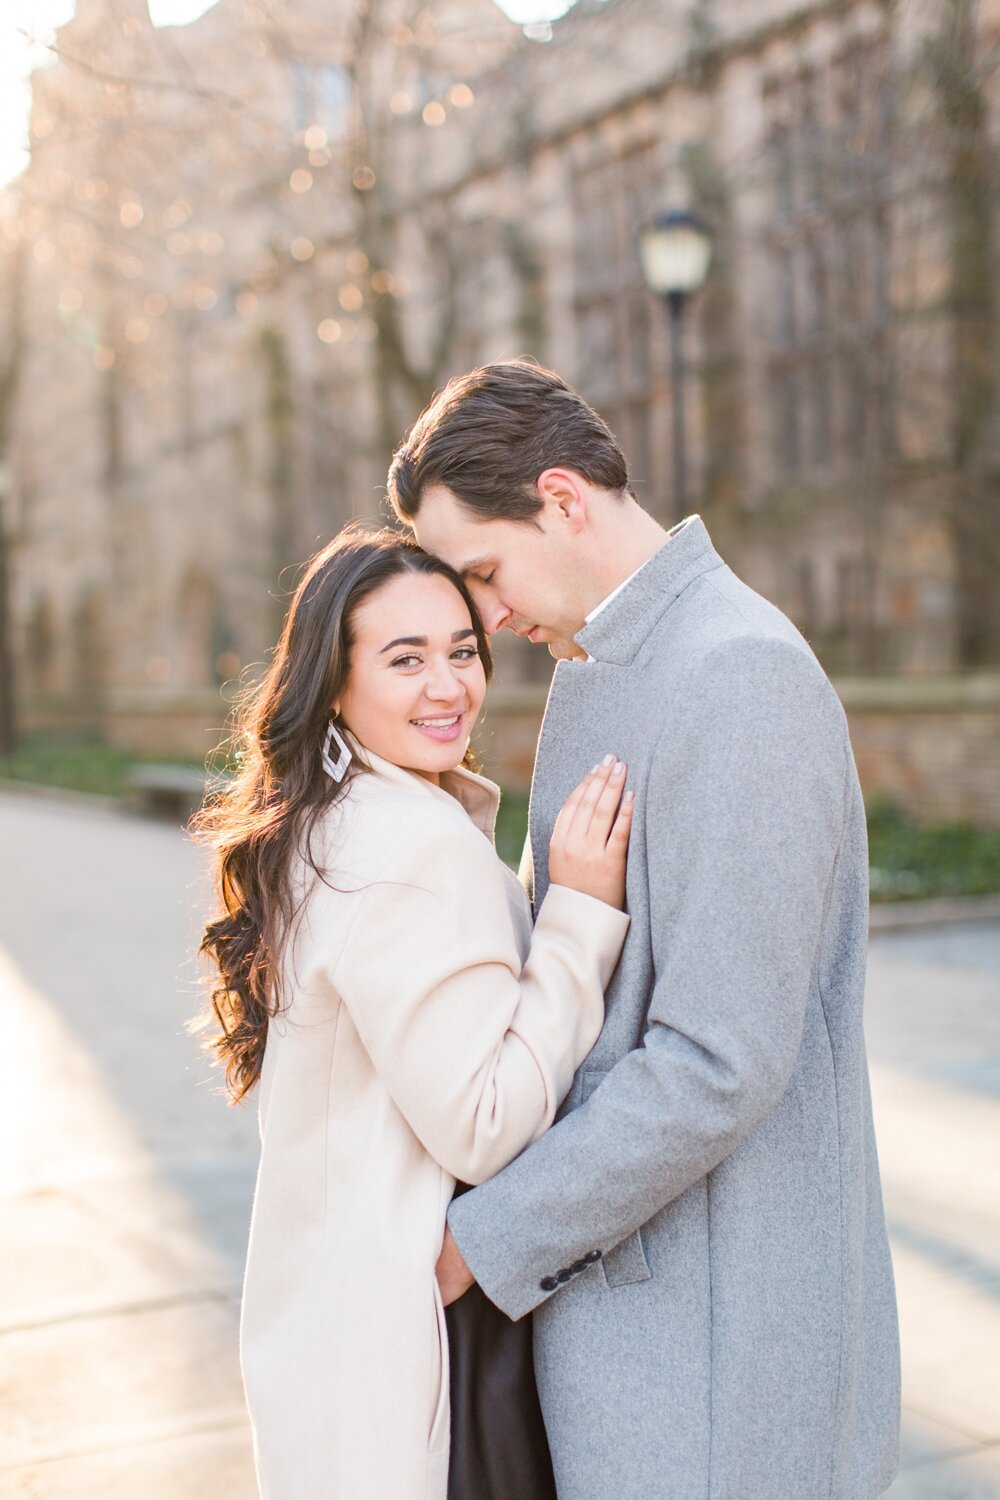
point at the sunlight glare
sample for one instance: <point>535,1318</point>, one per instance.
<point>26,30</point>
<point>178,12</point>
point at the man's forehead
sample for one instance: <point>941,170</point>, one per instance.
<point>443,526</point>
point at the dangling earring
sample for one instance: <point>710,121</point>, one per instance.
<point>336,769</point>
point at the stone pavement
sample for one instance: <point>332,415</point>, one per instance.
<point>125,1181</point>
<point>933,1023</point>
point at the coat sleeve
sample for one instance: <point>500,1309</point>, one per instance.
<point>743,814</point>
<point>476,1052</point>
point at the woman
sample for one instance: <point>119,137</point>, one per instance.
<point>380,980</point>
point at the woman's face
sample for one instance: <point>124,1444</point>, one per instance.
<point>416,682</point>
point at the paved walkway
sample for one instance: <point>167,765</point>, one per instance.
<point>125,1181</point>
<point>934,1043</point>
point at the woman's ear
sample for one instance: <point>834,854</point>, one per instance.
<point>335,710</point>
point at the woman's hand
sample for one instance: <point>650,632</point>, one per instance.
<point>589,843</point>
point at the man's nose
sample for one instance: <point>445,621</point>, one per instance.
<point>492,612</point>
<point>494,615</point>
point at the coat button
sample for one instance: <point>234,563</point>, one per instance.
<point>564,1275</point>
<point>592,1256</point>
<point>548,1283</point>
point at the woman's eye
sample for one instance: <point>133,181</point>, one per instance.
<point>465,653</point>
<point>406,661</point>
<point>488,577</point>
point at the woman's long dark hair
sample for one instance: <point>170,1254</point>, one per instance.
<point>268,813</point>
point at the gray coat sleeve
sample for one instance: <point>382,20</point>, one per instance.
<point>743,814</point>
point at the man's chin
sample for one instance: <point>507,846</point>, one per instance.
<point>566,650</point>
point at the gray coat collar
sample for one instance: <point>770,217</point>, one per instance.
<point>625,623</point>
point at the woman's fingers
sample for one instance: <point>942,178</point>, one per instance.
<point>589,846</point>
<point>622,826</point>
<point>590,810</point>
<point>579,805</point>
<point>607,802</point>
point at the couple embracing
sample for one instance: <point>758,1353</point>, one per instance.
<point>619,1108</point>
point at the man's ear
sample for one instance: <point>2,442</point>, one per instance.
<point>564,495</point>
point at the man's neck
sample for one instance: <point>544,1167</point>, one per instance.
<point>625,548</point>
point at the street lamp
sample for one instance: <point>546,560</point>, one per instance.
<point>675,252</point>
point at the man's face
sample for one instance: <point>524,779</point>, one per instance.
<point>524,577</point>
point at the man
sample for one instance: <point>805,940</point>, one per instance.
<point>701,1235</point>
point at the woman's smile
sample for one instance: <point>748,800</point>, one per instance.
<point>441,726</point>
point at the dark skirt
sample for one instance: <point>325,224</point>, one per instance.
<point>499,1450</point>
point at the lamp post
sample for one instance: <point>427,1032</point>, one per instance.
<point>675,251</point>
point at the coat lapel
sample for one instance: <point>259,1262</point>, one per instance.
<point>574,732</point>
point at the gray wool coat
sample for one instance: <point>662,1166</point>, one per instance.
<point>701,1235</point>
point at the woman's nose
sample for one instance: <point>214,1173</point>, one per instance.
<point>444,685</point>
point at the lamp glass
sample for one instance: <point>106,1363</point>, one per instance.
<point>675,254</point>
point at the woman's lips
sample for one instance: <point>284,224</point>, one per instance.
<point>439,727</point>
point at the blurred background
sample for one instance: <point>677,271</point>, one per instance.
<point>241,245</point>
<point>240,250</point>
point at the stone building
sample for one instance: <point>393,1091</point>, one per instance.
<point>183,429</point>
<point>281,239</point>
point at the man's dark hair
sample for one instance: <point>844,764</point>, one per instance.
<point>489,434</point>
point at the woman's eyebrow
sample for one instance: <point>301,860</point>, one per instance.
<point>421,640</point>
<point>405,640</point>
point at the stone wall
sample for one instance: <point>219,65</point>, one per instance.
<point>931,745</point>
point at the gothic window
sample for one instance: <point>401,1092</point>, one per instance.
<point>828,254</point>
<point>615,313</point>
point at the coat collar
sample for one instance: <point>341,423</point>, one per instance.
<point>479,796</point>
<point>621,627</point>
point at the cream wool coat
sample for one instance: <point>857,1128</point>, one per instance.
<point>427,1034</point>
